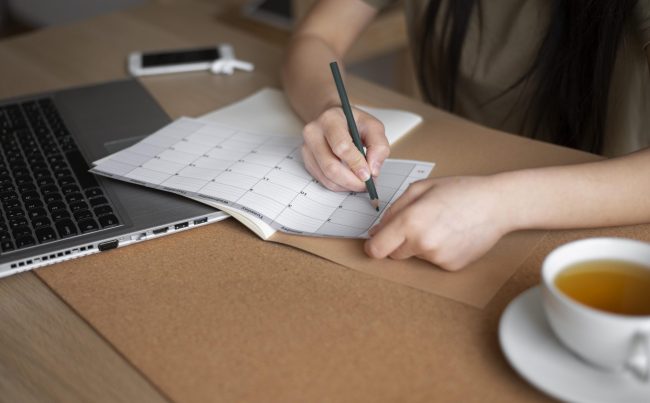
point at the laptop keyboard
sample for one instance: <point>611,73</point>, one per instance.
<point>46,191</point>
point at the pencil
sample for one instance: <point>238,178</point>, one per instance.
<point>352,127</point>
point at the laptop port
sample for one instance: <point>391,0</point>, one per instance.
<point>201,221</point>
<point>107,245</point>
<point>181,225</point>
<point>159,230</point>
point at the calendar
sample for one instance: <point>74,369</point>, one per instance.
<point>259,174</point>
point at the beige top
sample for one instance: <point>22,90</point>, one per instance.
<point>512,33</point>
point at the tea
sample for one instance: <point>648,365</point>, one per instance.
<point>609,285</point>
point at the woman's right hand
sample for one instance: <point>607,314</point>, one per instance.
<point>332,158</point>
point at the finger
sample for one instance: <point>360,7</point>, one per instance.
<point>340,142</point>
<point>314,170</point>
<point>406,250</point>
<point>384,242</point>
<point>374,138</point>
<point>329,164</point>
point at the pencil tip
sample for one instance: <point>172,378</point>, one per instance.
<point>375,204</point>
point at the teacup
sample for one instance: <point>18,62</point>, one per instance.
<point>611,341</point>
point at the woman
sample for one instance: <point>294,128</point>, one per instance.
<point>567,71</point>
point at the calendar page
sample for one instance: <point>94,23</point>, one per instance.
<point>261,174</point>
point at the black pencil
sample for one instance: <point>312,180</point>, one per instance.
<point>352,127</point>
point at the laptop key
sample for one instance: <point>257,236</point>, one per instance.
<point>45,234</point>
<point>26,187</point>
<point>17,222</point>
<point>88,225</point>
<point>51,197</point>
<point>10,195</point>
<point>6,246</point>
<point>36,212</point>
<point>73,197</point>
<point>40,222</point>
<point>18,172</point>
<point>25,241</point>
<point>66,180</point>
<point>96,201</point>
<point>56,206</point>
<point>32,204</point>
<point>93,192</point>
<point>11,203</point>
<point>108,221</point>
<point>41,173</point>
<point>60,173</point>
<point>78,206</point>
<point>45,181</point>
<point>70,189</point>
<point>60,214</point>
<point>4,235</point>
<point>47,189</point>
<point>102,210</point>
<point>21,232</point>
<point>31,196</point>
<point>66,228</point>
<point>82,214</point>
<point>15,212</point>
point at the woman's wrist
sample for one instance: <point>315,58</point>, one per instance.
<point>516,200</point>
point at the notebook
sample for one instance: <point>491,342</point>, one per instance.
<point>258,177</point>
<point>252,169</point>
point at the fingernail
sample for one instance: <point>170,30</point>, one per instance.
<point>376,167</point>
<point>363,174</point>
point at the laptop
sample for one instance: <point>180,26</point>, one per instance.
<point>51,208</point>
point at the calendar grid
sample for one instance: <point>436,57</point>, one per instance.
<point>261,174</point>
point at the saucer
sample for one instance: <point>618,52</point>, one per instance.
<point>536,354</point>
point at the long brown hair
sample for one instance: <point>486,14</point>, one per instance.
<point>572,70</point>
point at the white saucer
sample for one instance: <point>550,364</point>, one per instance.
<point>533,350</point>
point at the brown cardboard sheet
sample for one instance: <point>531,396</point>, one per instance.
<point>459,148</point>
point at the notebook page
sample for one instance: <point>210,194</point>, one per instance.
<point>260,174</point>
<point>273,113</point>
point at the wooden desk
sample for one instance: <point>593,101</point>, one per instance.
<point>290,326</point>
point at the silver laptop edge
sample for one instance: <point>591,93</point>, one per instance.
<point>104,118</point>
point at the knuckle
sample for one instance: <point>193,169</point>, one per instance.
<point>372,249</point>
<point>425,244</point>
<point>447,261</point>
<point>341,147</point>
<point>310,130</point>
<point>331,169</point>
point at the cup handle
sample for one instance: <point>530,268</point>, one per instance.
<point>638,361</point>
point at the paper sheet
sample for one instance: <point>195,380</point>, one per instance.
<point>274,114</point>
<point>261,174</point>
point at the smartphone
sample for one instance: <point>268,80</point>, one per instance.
<point>176,61</point>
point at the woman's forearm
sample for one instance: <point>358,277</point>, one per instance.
<point>325,35</point>
<point>606,193</point>
<point>306,76</point>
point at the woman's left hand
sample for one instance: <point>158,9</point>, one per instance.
<point>449,222</point>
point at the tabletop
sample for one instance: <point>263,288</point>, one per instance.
<point>196,316</point>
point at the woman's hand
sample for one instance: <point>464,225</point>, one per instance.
<point>449,222</point>
<point>332,158</point>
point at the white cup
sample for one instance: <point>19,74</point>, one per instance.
<point>609,341</point>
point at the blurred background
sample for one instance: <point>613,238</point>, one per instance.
<point>381,55</point>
